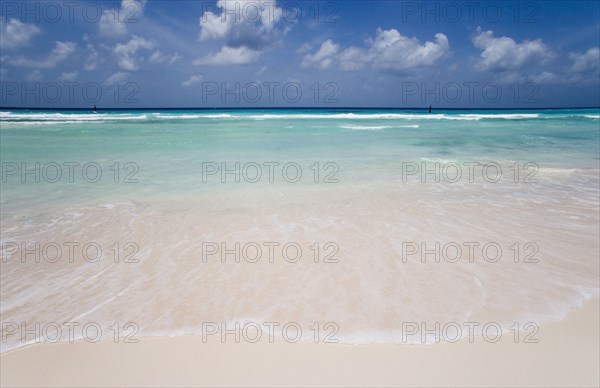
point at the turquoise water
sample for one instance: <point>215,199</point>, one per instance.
<point>173,180</point>
<point>169,147</point>
<point>453,134</point>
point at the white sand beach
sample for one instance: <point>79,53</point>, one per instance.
<point>567,355</point>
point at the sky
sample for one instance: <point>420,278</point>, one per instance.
<point>395,54</point>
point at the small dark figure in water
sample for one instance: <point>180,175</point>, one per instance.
<point>429,108</point>
<point>95,110</point>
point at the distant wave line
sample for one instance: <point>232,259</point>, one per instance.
<point>152,117</point>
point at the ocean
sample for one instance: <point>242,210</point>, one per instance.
<point>346,225</point>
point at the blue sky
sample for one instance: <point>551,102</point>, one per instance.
<point>147,53</point>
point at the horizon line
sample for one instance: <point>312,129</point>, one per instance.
<point>291,108</point>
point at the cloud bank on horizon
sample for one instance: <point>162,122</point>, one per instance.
<point>152,53</point>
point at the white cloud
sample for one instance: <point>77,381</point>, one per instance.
<point>234,15</point>
<point>586,62</point>
<point>262,70</point>
<point>72,76</point>
<point>118,77</point>
<point>583,68</point>
<point>113,22</point>
<point>35,76</point>
<point>159,57</point>
<point>304,49</point>
<point>213,26</point>
<point>14,33</point>
<point>125,53</point>
<point>192,80</point>
<point>545,77</point>
<point>324,57</point>
<point>109,24</point>
<point>229,56</point>
<point>174,59</point>
<point>389,50</point>
<point>92,59</point>
<point>503,54</point>
<point>59,53</point>
<point>246,26</point>
<point>394,51</point>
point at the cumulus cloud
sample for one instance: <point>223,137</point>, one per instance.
<point>213,26</point>
<point>229,56</point>
<point>159,57</point>
<point>192,80</point>
<point>245,25</point>
<point>305,48</point>
<point>546,77</point>
<point>324,57</point>
<point>118,77</point>
<point>234,16</point>
<point>59,53</point>
<point>174,59</point>
<point>504,54</point>
<point>72,76</point>
<point>14,33</point>
<point>583,67</point>
<point>126,53</point>
<point>113,22</point>
<point>586,62</point>
<point>35,76</point>
<point>389,50</point>
<point>91,61</point>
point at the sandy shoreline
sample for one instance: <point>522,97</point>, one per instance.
<point>567,354</point>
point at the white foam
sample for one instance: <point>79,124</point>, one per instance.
<point>365,127</point>
<point>103,117</point>
<point>510,116</point>
<point>192,116</point>
<point>392,116</point>
<point>69,117</point>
